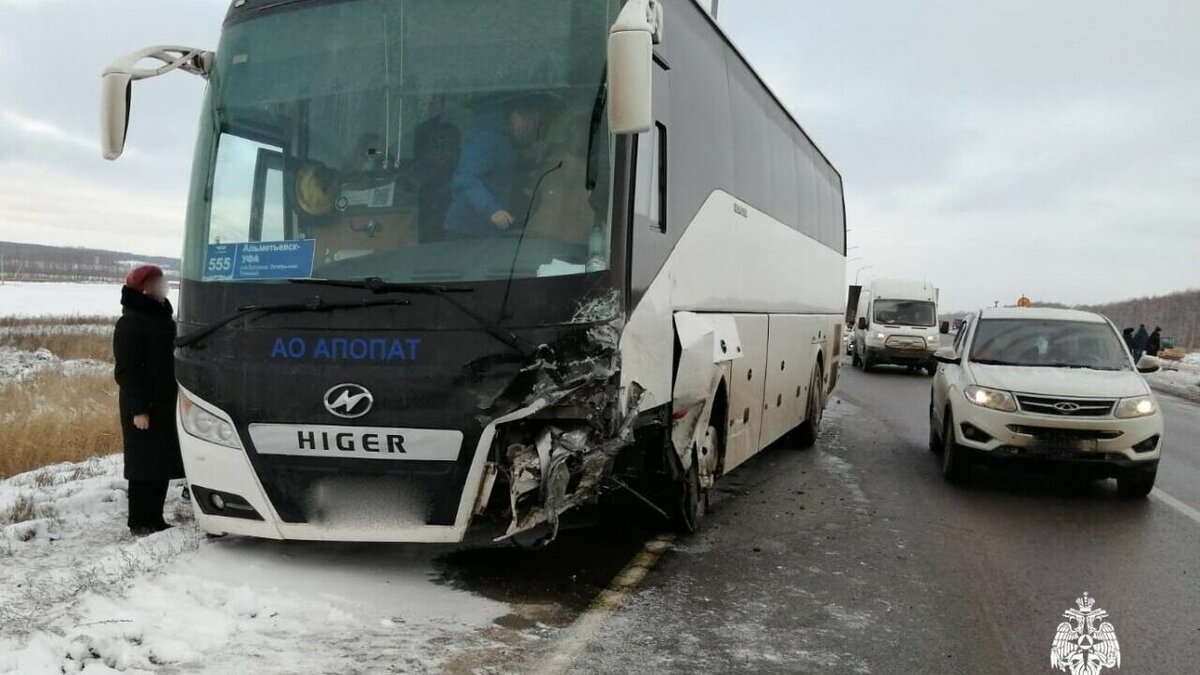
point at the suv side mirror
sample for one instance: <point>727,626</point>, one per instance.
<point>946,355</point>
<point>631,43</point>
<point>1148,364</point>
<point>862,323</point>
<point>944,329</point>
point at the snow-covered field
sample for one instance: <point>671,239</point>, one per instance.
<point>21,298</point>
<point>79,595</point>
<point>19,365</point>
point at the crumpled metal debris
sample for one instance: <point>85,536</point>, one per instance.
<point>568,460</point>
<point>562,469</point>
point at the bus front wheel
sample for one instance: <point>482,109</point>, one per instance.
<point>692,501</point>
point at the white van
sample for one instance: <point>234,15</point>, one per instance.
<point>897,324</point>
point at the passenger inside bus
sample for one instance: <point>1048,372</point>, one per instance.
<point>435,155</point>
<point>488,189</point>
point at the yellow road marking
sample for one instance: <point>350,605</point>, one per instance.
<point>589,624</point>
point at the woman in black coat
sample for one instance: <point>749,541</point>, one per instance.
<point>143,345</point>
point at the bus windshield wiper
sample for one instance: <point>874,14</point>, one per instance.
<point>379,286</point>
<point>314,304</point>
<point>593,127</point>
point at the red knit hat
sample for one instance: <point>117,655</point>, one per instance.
<point>140,276</point>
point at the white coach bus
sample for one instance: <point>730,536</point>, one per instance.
<point>471,263</point>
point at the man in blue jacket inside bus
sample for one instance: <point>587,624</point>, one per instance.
<point>495,160</point>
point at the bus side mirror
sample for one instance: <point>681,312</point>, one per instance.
<point>862,323</point>
<point>116,90</point>
<point>116,87</point>
<point>631,66</point>
<point>945,328</point>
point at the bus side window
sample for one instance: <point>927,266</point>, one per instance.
<point>650,196</point>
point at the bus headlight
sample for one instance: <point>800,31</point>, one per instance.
<point>1138,406</point>
<point>993,399</point>
<point>206,423</point>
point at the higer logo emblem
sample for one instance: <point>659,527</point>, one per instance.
<point>349,401</point>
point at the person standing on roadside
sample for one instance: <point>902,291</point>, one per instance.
<point>1128,335</point>
<point>1154,343</point>
<point>1140,338</point>
<point>144,351</point>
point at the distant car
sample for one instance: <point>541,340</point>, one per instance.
<point>1038,387</point>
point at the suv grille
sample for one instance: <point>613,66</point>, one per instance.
<point>1066,407</point>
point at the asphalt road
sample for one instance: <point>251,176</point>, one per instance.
<point>855,557</point>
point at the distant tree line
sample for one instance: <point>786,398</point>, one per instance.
<point>1178,314</point>
<point>33,262</point>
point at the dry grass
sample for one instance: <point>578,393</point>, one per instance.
<point>67,337</point>
<point>57,418</point>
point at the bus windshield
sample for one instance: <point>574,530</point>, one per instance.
<point>410,140</point>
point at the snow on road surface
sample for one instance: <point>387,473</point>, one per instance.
<point>28,299</point>
<point>1179,378</point>
<point>78,594</point>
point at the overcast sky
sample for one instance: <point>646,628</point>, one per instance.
<point>995,147</point>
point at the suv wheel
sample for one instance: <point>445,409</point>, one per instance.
<point>955,465</point>
<point>935,441</point>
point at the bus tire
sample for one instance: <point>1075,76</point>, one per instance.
<point>805,435</point>
<point>692,500</point>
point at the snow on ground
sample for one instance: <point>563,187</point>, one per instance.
<point>78,594</point>
<point>1179,378</point>
<point>1193,358</point>
<point>18,365</point>
<point>28,298</point>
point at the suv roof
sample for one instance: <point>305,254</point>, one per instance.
<point>1042,313</point>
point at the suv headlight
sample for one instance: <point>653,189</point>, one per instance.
<point>993,399</point>
<point>880,336</point>
<point>1138,406</point>
<point>932,339</point>
<point>205,423</point>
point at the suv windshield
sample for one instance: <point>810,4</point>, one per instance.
<point>411,140</point>
<point>1059,344</point>
<point>906,313</point>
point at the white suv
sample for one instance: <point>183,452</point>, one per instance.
<point>1041,386</point>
